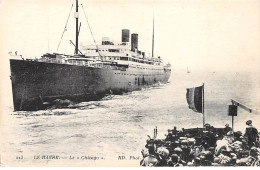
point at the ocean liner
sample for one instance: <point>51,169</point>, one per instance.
<point>91,73</point>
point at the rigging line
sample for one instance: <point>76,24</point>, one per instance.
<point>65,29</point>
<point>91,31</point>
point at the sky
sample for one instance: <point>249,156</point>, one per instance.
<point>213,35</point>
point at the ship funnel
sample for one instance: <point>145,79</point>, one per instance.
<point>134,42</point>
<point>125,35</point>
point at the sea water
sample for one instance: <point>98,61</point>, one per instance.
<point>114,130</point>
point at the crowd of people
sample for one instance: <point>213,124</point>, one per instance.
<point>207,146</point>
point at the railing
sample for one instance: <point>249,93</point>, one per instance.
<point>70,62</point>
<point>118,68</point>
<point>80,63</point>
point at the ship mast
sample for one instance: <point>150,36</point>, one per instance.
<point>77,27</point>
<point>153,38</point>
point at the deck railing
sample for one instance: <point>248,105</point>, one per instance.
<point>72,62</point>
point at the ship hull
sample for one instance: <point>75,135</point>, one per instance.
<point>36,85</point>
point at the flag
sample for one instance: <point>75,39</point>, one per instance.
<point>194,98</point>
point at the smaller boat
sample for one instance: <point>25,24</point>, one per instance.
<point>188,71</point>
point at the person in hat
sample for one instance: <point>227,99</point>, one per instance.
<point>227,129</point>
<point>162,156</point>
<point>150,159</point>
<point>174,131</point>
<point>251,134</point>
<point>175,161</point>
<point>237,136</point>
<point>185,150</point>
<point>178,151</point>
<point>207,127</point>
<point>209,138</point>
<point>169,136</point>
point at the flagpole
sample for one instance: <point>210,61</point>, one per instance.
<point>203,111</point>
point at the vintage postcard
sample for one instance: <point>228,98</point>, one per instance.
<point>129,83</point>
